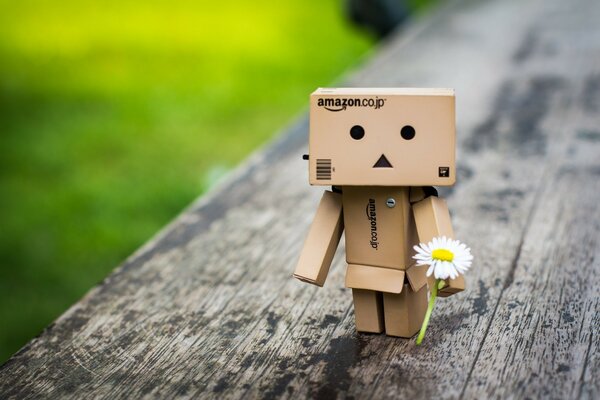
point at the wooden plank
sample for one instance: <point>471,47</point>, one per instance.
<point>209,307</point>
<point>541,334</point>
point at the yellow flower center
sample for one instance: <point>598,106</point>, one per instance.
<point>442,255</point>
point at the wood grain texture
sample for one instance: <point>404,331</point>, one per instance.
<point>208,308</point>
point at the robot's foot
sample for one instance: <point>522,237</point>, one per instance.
<point>404,312</point>
<point>368,310</point>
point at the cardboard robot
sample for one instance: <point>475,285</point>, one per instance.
<point>381,151</point>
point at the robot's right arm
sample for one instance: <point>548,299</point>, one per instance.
<point>322,241</point>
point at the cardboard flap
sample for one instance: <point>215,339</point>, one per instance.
<point>374,278</point>
<point>416,276</point>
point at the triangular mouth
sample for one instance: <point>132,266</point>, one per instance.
<point>382,163</point>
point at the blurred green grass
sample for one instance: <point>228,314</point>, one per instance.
<point>115,115</point>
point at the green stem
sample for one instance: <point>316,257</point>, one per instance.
<point>434,290</point>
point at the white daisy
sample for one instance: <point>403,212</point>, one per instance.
<point>446,258</point>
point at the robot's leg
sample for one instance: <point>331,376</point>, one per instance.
<point>404,312</point>
<point>368,310</point>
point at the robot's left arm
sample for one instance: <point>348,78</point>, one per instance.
<point>432,218</point>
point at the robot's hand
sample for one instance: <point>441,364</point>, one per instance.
<point>452,286</point>
<point>307,280</point>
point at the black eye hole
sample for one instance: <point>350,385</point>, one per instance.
<point>407,132</point>
<point>357,132</point>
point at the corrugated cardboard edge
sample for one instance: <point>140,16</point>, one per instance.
<point>416,276</point>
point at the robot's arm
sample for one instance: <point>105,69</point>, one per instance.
<point>433,219</point>
<point>322,241</point>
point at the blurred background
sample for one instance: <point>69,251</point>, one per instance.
<point>115,115</point>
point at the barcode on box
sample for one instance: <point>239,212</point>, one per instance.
<point>323,169</point>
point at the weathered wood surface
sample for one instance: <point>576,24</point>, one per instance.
<point>209,308</point>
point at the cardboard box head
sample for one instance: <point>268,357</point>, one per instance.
<point>382,137</point>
